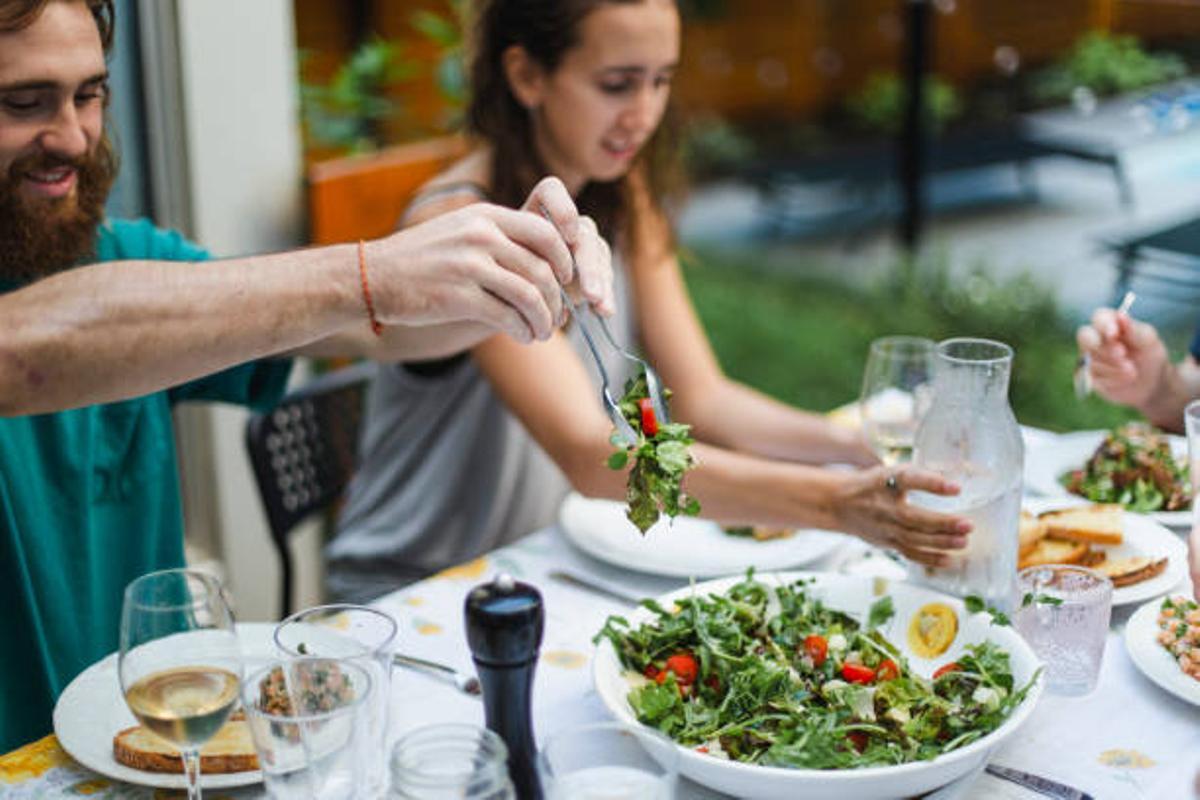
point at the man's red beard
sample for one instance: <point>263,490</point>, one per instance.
<point>38,236</point>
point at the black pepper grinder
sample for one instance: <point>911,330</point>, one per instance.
<point>504,621</point>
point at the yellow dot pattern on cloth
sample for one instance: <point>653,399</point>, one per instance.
<point>471,570</point>
<point>564,659</point>
<point>32,760</point>
<point>1126,759</point>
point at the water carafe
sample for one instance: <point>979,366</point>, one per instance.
<point>970,436</point>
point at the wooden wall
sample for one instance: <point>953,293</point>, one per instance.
<point>780,57</point>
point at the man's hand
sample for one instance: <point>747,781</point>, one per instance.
<point>1129,362</point>
<point>1194,561</point>
<point>494,265</point>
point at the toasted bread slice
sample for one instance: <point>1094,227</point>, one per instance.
<point>1094,524</point>
<point>1030,532</point>
<point>1128,571</point>
<point>231,750</point>
<point>1053,551</point>
<point>1093,558</point>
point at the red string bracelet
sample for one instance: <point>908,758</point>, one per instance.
<point>376,328</point>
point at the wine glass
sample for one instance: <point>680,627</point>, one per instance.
<point>180,664</point>
<point>896,391</point>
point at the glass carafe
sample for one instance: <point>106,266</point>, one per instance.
<point>971,437</point>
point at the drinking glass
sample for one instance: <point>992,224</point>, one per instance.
<point>179,663</point>
<point>608,761</point>
<point>1063,613</point>
<point>362,635</point>
<point>307,718</point>
<point>451,762</point>
<point>896,391</point>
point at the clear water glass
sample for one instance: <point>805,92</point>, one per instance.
<point>451,762</point>
<point>608,761</point>
<point>362,635</point>
<point>317,746</point>
<point>1063,612</point>
<point>896,391</point>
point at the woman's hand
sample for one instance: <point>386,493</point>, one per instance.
<point>872,506</point>
<point>1128,360</point>
<point>1194,561</point>
<point>494,265</point>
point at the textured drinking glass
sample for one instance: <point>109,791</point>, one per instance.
<point>1063,612</point>
<point>896,390</point>
<point>608,761</point>
<point>308,719</point>
<point>451,762</point>
<point>180,663</point>
<point>362,635</point>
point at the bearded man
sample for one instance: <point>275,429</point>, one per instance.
<point>93,357</point>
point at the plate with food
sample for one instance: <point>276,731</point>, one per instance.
<point>1135,466</point>
<point>97,729</point>
<point>1143,558</point>
<point>1161,637</point>
<point>818,685</point>
<point>684,546</point>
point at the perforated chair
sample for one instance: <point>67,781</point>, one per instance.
<point>304,452</point>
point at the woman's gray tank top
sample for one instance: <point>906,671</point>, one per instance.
<point>447,473</point>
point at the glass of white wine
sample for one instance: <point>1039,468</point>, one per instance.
<point>897,389</point>
<point>180,664</point>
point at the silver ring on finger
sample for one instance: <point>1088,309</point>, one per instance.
<point>892,482</point>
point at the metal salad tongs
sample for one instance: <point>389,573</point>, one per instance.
<point>581,311</point>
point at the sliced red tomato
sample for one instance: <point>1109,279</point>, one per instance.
<point>858,673</point>
<point>651,672</point>
<point>817,648</point>
<point>649,420</point>
<point>858,739</point>
<point>713,682</point>
<point>887,670</point>
<point>684,666</point>
<point>942,670</point>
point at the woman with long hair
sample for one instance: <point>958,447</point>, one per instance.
<point>455,452</point>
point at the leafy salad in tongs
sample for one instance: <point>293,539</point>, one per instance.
<point>772,676</point>
<point>660,459</point>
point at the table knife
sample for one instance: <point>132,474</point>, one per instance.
<point>1038,784</point>
<point>594,587</point>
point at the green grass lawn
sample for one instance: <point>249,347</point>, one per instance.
<point>805,340</point>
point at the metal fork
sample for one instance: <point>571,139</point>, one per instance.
<point>653,383</point>
<point>467,684</point>
<point>1083,375</point>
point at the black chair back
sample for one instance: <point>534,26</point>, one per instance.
<point>304,452</point>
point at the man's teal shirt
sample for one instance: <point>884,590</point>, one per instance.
<point>89,500</point>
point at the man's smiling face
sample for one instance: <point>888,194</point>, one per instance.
<point>56,166</point>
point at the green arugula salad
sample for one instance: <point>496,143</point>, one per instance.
<point>770,675</point>
<point>660,459</point>
<point>1133,466</point>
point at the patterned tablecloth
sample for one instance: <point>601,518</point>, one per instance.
<point>1128,739</point>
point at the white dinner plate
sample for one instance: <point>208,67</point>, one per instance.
<point>684,547</point>
<point>1047,461</point>
<point>854,595</point>
<point>1143,536</point>
<point>92,710</point>
<point>1153,659</point>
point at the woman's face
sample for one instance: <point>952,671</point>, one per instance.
<point>607,96</point>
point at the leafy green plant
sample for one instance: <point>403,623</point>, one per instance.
<point>446,31</point>
<point>348,112</point>
<point>879,105</point>
<point>1106,64</point>
<point>714,146</point>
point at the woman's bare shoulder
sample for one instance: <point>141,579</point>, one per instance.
<point>464,182</point>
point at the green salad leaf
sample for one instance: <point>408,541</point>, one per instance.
<point>660,460</point>
<point>771,675</point>
<point>1133,466</point>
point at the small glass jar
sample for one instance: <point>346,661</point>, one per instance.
<point>439,762</point>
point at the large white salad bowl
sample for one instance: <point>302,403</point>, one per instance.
<point>854,595</point>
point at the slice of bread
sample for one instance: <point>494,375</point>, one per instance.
<point>1030,532</point>
<point>1095,524</point>
<point>1093,558</point>
<point>231,750</point>
<point>1053,551</point>
<point>1128,571</point>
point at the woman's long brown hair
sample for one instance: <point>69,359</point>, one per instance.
<point>17,15</point>
<point>547,29</point>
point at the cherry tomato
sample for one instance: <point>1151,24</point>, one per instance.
<point>817,648</point>
<point>651,672</point>
<point>858,673</point>
<point>858,739</point>
<point>942,670</point>
<point>713,682</point>
<point>887,670</point>
<point>684,666</point>
<point>649,420</point>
